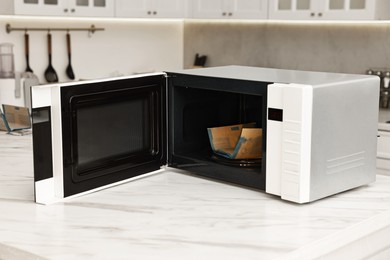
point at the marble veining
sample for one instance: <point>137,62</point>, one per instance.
<point>170,215</point>
<point>16,167</point>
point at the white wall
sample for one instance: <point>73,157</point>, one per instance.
<point>124,47</point>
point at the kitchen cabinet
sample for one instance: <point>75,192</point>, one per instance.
<point>328,9</point>
<point>383,155</point>
<point>151,8</point>
<point>230,9</point>
<point>98,8</point>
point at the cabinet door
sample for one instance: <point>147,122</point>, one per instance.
<point>248,9</point>
<point>41,7</point>
<point>293,9</point>
<point>322,9</point>
<point>99,8</point>
<point>383,153</point>
<point>236,9</point>
<point>348,9</point>
<point>210,8</point>
<point>384,145</point>
<point>169,8</point>
<point>133,8</point>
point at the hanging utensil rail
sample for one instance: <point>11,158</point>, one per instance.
<point>91,29</point>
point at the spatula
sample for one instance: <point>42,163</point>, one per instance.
<point>69,69</point>
<point>50,73</point>
<point>27,51</point>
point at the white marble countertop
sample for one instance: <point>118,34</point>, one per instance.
<point>172,215</point>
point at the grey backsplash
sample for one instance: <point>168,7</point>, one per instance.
<point>347,47</point>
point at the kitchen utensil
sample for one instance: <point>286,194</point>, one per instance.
<point>69,70</point>
<point>27,51</point>
<point>50,73</point>
<point>7,69</point>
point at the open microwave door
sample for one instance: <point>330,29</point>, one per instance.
<point>102,133</point>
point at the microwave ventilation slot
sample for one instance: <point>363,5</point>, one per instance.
<point>345,163</point>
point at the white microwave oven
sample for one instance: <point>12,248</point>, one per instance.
<point>319,130</point>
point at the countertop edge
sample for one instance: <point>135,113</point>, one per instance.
<point>10,252</point>
<point>360,241</point>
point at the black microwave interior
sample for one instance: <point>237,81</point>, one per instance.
<point>196,104</point>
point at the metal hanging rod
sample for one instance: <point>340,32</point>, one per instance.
<point>91,29</point>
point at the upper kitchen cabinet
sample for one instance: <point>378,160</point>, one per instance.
<point>151,8</point>
<point>230,9</point>
<point>88,8</point>
<point>329,9</point>
<point>292,9</point>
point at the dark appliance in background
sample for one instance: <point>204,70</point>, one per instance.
<point>200,61</point>
<point>93,134</point>
<point>384,91</point>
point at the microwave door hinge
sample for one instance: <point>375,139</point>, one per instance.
<point>168,75</point>
<point>167,149</point>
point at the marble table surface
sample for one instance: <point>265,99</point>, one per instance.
<point>175,215</point>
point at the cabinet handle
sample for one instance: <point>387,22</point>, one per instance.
<point>312,14</point>
<point>72,10</point>
<point>65,10</point>
<point>230,14</point>
<point>223,14</point>
<point>320,14</point>
<point>154,12</point>
<point>149,12</point>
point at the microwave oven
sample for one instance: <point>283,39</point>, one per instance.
<point>319,130</point>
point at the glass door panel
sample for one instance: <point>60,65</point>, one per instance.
<point>303,5</point>
<point>357,4</point>
<point>112,130</point>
